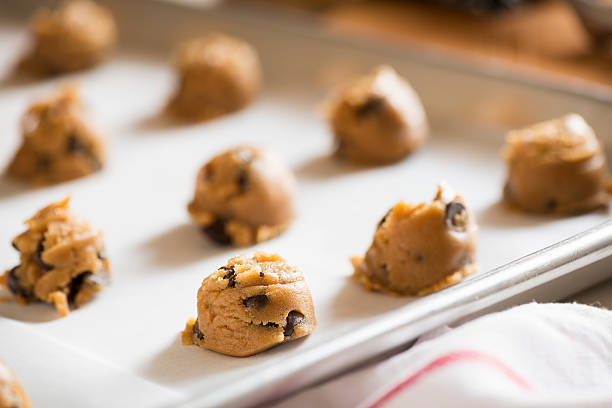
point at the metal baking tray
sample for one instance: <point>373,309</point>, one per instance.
<point>124,349</point>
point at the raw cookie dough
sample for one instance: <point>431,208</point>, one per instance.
<point>419,249</point>
<point>58,141</point>
<point>377,119</point>
<point>11,393</point>
<point>76,35</point>
<point>218,75</point>
<point>62,260</point>
<point>250,305</point>
<point>556,166</point>
<point>243,196</point>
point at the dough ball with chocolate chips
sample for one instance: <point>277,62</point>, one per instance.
<point>76,35</point>
<point>422,248</point>
<point>59,143</point>
<point>556,166</point>
<point>11,393</point>
<point>62,260</point>
<point>250,305</point>
<point>218,74</point>
<point>243,196</point>
<point>377,119</point>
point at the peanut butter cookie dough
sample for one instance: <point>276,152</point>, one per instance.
<point>59,143</point>
<point>218,74</point>
<point>76,35</point>
<point>243,196</point>
<point>62,260</point>
<point>377,119</point>
<point>11,393</point>
<point>419,249</point>
<point>250,305</point>
<point>556,166</point>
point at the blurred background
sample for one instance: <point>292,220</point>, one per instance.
<point>562,40</point>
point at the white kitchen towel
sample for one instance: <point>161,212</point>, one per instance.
<point>535,355</point>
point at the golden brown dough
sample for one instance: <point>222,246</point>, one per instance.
<point>12,394</point>
<point>250,305</point>
<point>62,260</point>
<point>377,119</point>
<point>556,166</point>
<point>243,196</point>
<point>59,143</point>
<point>76,35</point>
<point>419,249</point>
<point>218,74</point>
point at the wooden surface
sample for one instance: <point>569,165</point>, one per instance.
<point>545,38</point>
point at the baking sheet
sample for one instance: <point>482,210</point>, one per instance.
<point>159,258</point>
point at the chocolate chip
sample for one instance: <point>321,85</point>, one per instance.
<point>14,245</point>
<point>75,285</point>
<point>12,281</point>
<point>419,258</point>
<point>293,319</point>
<point>371,106</point>
<point>230,275</point>
<point>43,164</point>
<point>261,274</point>
<point>196,330</point>
<point>551,204</point>
<point>269,324</point>
<point>216,232</point>
<point>243,181</point>
<point>384,218</point>
<point>257,301</point>
<point>456,215</point>
<point>38,256</point>
<point>75,145</point>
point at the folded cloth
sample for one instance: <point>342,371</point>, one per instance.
<point>535,355</point>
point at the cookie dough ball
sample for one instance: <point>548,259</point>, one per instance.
<point>250,305</point>
<point>243,196</point>
<point>76,35</point>
<point>61,258</point>
<point>59,143</point>
<point>377,119</point>
<point>218,74</point>
<point>556,166</point>
<point>422,248</point>
<point>11,393</point>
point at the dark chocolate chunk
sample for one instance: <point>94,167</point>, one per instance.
<point>38,256</point>
<point>293,319</point>
<point>261,274</point>
<point>43,164</point>
<point>196,330</point>
<point>12,281</point>
<point>269,324</point>
<point>230,275</point>
<point>384,218</point>
<point>243,181</point>
<point>551,204</point>
<point>75,285</point>
<point>256,301</point>
<point>455,215</point>
<point>216,232</point>
<point>372,105</point>
<point>419,258</point>
<point>75,145</point>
